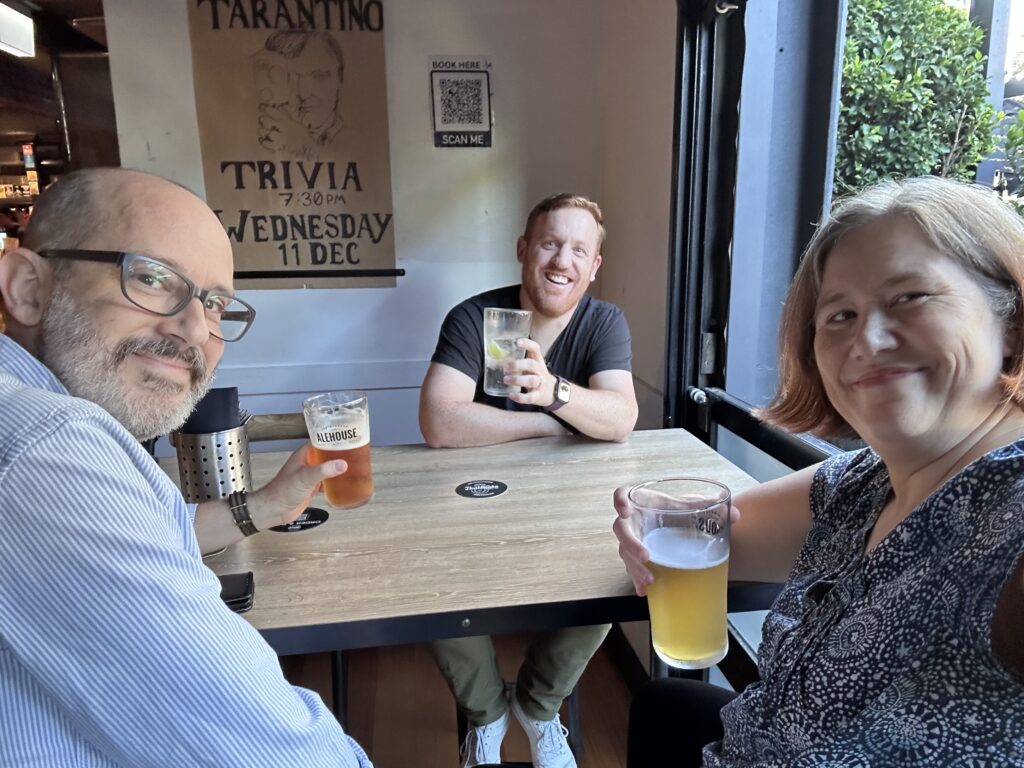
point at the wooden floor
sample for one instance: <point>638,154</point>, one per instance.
<point>402,713</point>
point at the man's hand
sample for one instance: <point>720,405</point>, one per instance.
<point>604,407</point>
<point>532,375</point>
<point>282,499</point>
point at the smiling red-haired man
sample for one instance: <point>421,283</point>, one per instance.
<point>575,378</point>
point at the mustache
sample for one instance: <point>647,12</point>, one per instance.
<point>163,348</point>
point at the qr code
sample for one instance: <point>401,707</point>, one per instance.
<point>462,101</point>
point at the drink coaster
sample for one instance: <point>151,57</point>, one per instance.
<point>310,518</point>
<point>481,489</point>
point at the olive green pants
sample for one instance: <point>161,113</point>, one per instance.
<point>553,665</point>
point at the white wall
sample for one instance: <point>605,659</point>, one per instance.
<point>457,211</point>
<point>638,102</point>
<point>154,101</point>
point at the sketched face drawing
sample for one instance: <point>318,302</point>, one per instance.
<point>298,83</point>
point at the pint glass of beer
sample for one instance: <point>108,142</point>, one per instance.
<point>502,328</point>
<point>684,523</point>
<point>339,428</point>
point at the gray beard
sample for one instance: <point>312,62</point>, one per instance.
<point>72,350</point>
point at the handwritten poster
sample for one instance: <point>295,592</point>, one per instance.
<point>291,99</point>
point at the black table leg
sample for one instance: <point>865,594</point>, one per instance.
<point>339,685</point>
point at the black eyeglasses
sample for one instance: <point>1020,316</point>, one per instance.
<point>155,287</point>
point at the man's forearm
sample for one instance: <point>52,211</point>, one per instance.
<point>216,528</point>
<point>460,425</point>
<point>600,413</point>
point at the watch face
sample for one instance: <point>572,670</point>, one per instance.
<point>563,391</point>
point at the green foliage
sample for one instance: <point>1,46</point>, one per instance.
<point>914,98</point>
<point>1014,146</point>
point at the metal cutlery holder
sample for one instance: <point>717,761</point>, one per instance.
<point>213,465</point>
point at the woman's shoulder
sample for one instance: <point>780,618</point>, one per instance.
<point>847,471</point>
<point>986,499</point>
<point>846,487</point>
<point>1005,459</point>
<point>996,479</point>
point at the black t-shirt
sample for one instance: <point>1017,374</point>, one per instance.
<point>596,339</point>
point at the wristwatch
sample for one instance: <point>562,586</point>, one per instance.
<point>563,390</point>
<point>240,512</point>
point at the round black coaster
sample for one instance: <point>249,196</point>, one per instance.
<point>310,518</point>
<point>481,489</point>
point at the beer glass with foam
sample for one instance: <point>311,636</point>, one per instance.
<point>502,328</point>
<point>339,428</point>
<point>684,524</point>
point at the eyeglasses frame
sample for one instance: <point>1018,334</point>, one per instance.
<point>120,258</point>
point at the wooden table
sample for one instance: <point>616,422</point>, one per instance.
<point>420,562</point>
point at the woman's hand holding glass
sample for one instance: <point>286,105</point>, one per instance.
<point>632,551</point>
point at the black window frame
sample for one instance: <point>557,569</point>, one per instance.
<point>710,58</point>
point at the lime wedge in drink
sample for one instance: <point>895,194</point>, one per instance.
<point>495,350</point>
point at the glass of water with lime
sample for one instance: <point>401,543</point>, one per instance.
<point>502,328</point>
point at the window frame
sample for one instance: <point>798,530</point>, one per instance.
<point>748,186</point>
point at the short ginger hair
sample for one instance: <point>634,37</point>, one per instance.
<point>567,200</point>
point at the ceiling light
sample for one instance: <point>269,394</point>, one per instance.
<point>17,32</point>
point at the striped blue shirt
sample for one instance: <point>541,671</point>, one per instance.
<point>115,647</point>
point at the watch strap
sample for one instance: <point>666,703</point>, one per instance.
<point>240,512</point>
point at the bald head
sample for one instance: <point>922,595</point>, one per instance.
<point>86,202</point>
<point>64,213</point>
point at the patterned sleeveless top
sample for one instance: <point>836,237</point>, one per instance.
<point>884,658</point>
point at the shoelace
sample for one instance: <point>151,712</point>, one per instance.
<point>550,743</point>
<point>472,743</point>
<point>468,744</point>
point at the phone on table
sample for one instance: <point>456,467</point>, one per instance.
<point>236,590</point>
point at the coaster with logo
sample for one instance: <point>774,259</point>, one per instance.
<point>481,489</point>
<point>311,517</point>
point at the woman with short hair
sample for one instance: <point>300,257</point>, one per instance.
<point>898,637</point>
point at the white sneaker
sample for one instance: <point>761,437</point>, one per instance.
<point>548,746</point>
<point>483,743</point>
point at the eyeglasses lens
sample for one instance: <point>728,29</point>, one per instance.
<point>154,286</point>
<point>233,320</point>
<point>158,288</point>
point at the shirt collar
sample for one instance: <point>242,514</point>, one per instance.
<point>16,360</point>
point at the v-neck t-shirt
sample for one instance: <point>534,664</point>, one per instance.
<point>596,339</point>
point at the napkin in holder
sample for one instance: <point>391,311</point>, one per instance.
<point>213,449</point>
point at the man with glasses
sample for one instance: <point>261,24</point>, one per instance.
<point>115,648</point>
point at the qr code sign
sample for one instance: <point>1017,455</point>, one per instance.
<point>462,101</point>
<point>461,94</point>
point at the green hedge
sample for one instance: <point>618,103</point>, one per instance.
<point>914,98</point>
